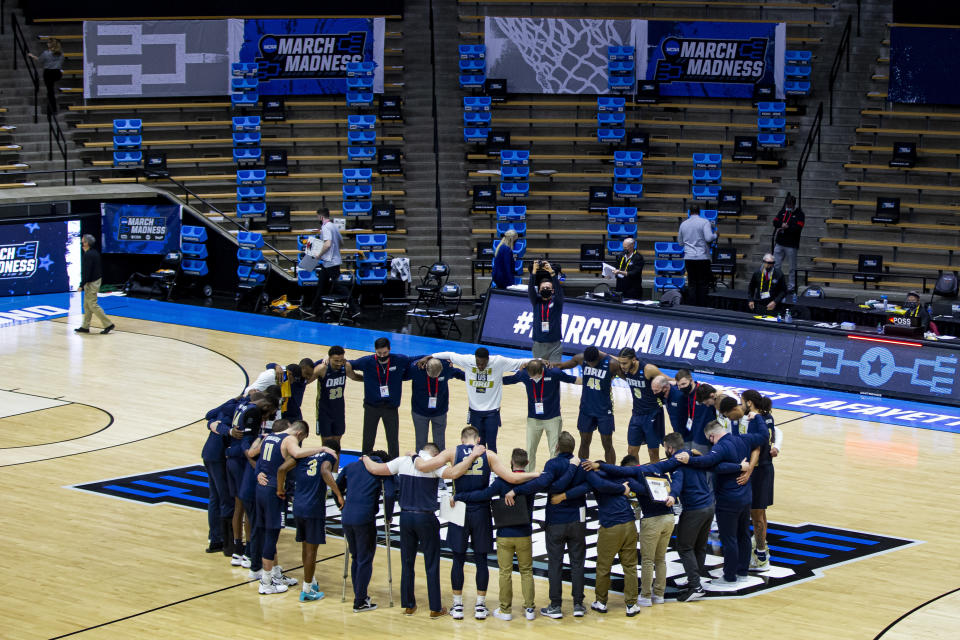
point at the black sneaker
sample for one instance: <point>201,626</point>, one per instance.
<point>366,606</point>
<point>691,594</point>
<point>214,547</point>
<point>107,330</point>
<point>81,330</point>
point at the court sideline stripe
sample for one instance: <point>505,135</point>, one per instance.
<point>795,419</point>
<point>914,610</point>
<point>173,604</point>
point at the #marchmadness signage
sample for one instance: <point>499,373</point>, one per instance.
<point>138,228</point>
<point>784,353</point>
<point>39,257</point>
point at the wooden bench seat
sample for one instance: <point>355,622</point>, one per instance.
<point>567,175</point>
<point>699,142</point>
<point>882,284</point>
<point>926,151</point>
<point>229,160</point>
<point>16,166</point>
<point>280,195</point>
<point>17,185</point>
<point>920,226</point>
<point>600,215</point>
<point>160,106</point>
<point>298,213</point>
<point>920,246</point>
<point>630,122</point>
<point>936,115</point>
<point>647,159</point>
<point>603,232</point>
<point>190,142</point>
<point>872,205</point>
<point>896,186</point>
<point>885,167</point>
<point>231,177</point>
<point>909,132</point>
<point>344,250</point>
<point>663,196</point>
<point>344,232</point>
<point>592,104</point>
<point>265,124</point>
<point>894,264</point>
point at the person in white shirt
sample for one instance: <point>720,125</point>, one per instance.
<point>696,234</point>
<point>328,252</point>
<point>484,377</point>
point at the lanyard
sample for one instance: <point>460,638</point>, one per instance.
<point>625,262</point>
<point>692,402</point>
<point>914,312</point>
<point>534,387</point>
<point>433,394</point>
<point>789,216</point>
<point>387,381</point>
<point>769,280</point>
<point>545,312</point>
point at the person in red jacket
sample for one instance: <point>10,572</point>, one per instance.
<point>787,227</point>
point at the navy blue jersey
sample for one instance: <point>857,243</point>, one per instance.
<point>330,391</point>
<point>310,497</point>
<point>477,476</point>
<point>247,420</point>
<point>643,398</point>
<point>762,425</point>
<point>271,457</point>
<point>595,399</point>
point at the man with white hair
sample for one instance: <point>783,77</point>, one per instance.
<point>91,275</point>
<point>767,286</point>
<point>629,271</point>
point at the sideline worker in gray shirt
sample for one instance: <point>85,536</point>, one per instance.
<point>696,234</point>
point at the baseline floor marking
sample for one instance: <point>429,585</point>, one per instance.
<point>14,404</point>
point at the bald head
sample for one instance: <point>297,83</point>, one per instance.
<point>434,367</point>
<point>660,384</point>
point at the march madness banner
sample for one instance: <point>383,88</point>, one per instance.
<point>140,228</point>
<point>711,59</point>
<point>310,56</point>
<point>39,257</point>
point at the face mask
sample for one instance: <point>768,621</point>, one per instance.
<point>383,359</point>
<point>546,294</point>
<point>687,390</point>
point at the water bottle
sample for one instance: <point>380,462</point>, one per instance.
<point>879,328</point>
<point>779,318</point>
<point>788,317</point>
<point>884,299</point>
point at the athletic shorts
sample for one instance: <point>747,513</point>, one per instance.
<point>761,483</point>
<point>646,428</point>
<point>312,530</point>
<point>477,529</point>
<point>235,470</point>
<point>328,425</point>
<point>589,424</point>
<point>270,508</point>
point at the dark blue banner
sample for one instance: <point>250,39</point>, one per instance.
<point>140,228</point>
<point>711,59</point>
<point>782,353</point>
<point>39,257</point>
<point>308,56</point>
<point>922,62</point>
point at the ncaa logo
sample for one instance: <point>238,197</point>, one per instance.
<point>671,47</point>
<point>268,45</point>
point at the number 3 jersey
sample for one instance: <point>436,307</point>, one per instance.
<point>310,492</point>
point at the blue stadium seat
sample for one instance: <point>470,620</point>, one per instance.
<point>514,189</point>
<point>621,67</point>
<point>244,69</point>
<point>772,140</point>
<point>771,125</point>
<point>127,158</point>
<point>476,134</point>
<point>127,127</point>
<point>514,157</point>
<point>357,176</point>
<point>370,241</point>
<point>610,135</point>
<point>707,176</point>
<point>476,118</point>
<point>251,194</point>
<point>249,276</point>
<point>359,154</point>
<point>611,119</point>
<point>797,72</point>
<point>365,68</point>
<point>361,122</point>
<point>372,259</point>
<point>250,239</point>
<point>357,191</point>
<point>614,104</point>
<point>371,276</point>
<point>189,233</point>
<point>515,173</point>
<point>476,103</point>
<point>668,250</point>
<point>246,123</point>
<point>249,256</point>
<point>627,158</point>
<point>246,156</point>
<point>614,247</point>
<point>705,191</point>
<point>628,190</point>
<point>798,57</point>
<point>251,177</point>
<point>245,99</point>
<point>622,230</point>
<point>357,207</point>
<point>664,283</point>
<point>511,213</point>
<point>520,248</point>
<point>360,83</point>
<point>359,98</point>
<point>472,51</point>
<point>246,139</point>
<point>620,83</point>
<point>620,52</point>
<point>796,87</point>
<point>243,85</point>
<point>306,278</point>
<point>707,160</point>
<point>708,214</point>
<point>472,80</point>
<point>196,268</point>
<point>627,174</point>
<point>361,137</point>
<point>197,251</point>
<point>771,109</point>
<point>621,215</point>
<point>127,143</point>
<point>669,267</point>
<point>474,65</point>
<point>519,227</point>
<point>251,209</point>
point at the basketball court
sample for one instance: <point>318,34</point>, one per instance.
<point>864,517</point>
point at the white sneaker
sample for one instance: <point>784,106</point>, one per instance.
<point>456,612</point>
<point>236,560</point>
<point>500,615</point>
<point>244,562</point>
<point>657,599</point>
<point>530,613</point>
<point>273,587</point>
<point>480,612</point>
<point>255,575</point>
<point>598,606</point>
<point>633,610</point>
<point>645,602</point>
<point>285,579</point>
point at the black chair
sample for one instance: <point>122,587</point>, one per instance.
<point>444,313</point>
<point>340,299</point>
<point>432,279</point>
<point>946,286</point>
<point>165,278</point>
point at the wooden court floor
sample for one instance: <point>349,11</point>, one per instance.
<point>85,564</point>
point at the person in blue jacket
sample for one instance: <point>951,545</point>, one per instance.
<point>504,266</point>
<point>220,502</point>
<point>546,296</point>
<point>687,413</point>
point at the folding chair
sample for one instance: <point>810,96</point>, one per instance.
<point>339,300</point>
<point>444,313</point>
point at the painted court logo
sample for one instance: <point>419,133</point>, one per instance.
<point>798,552</point>
<point>19,260</point>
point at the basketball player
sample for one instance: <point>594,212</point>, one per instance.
<point>649,388</point>
<point>596,405</point>
<point>331,376</point>
<point>312,476</point>
<point>760,421</point>
<point>273,450</point>
<point>249,417</point>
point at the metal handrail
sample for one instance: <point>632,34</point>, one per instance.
<point>20,44</point>
<point>55,134</point>
<point>814,133</point>
<point>843,47</point>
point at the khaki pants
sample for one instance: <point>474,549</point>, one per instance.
<point>535,429</point>
<point>90,306</point>
<point>523,548</point>
<point>613,541</point>
<point>654,538</point>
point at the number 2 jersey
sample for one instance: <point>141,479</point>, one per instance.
<point>476,478</point>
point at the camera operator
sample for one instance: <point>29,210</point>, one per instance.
<point>546,296</point>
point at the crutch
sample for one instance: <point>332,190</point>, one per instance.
<point>346,568</point>
<point>386,533</point>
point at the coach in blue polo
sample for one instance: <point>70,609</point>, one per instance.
<point>543,404</point>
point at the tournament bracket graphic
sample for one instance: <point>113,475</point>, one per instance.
<point>711,59</point>
<point>306,56</point>
<point>798,552</point>
<point>38,257</point>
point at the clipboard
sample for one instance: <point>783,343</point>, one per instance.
<point>659,488</point>
<point>309,263</point>
<point>515,516</point>
<point>455,514</point>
